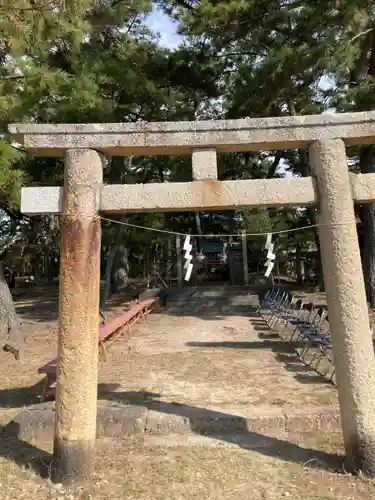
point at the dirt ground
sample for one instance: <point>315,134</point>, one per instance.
<point>230,364</point>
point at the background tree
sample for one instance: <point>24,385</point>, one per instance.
<point>97,61</point>
<point>291,57</point>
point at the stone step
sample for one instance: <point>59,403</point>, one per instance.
<point>119,420</point>
<point>212,291</point>
<point>209,294</point>
<point>219,301</point>
<point>235,301</point>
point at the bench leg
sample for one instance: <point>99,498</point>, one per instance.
<point>120,333</point>
<point>17,352</point>
<point>305,348</point>
<point>320,355</point>
<point>149,310</point>
<point>43,396</point>
<point>155,306</point>
<point>49,380</point>
<point>315,355</point>
<point>126,329</point>
<point>102,352</point>
<point>294,332</point>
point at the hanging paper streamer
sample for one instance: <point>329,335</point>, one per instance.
<point>270,256</point>
<point>269,270</point>
<point>188,264</point>
<point>268,241</point>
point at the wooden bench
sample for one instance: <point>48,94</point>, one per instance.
<point>108,333</point>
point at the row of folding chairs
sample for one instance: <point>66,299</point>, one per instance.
<point>302,324</point>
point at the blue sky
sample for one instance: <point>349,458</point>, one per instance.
<point>160,23</point>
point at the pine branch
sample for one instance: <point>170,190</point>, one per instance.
<point>363,33</point>
<point>47,6</point>
<point>186,4</point>
<point>275,164</point>
<point>9,244</point>
<point>35,7</point>
<point>12,77</point>
<point>14,216</point>
<point>21,150</point>
<point>131,24</point>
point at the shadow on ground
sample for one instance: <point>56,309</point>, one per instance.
<point>214,302</point>
<point>304,374</point>
<point>19,397</point>
<point>203,421</point>
<point>41,312</point>
<point>41,304</point>
<point>285,352</point>
<point>242,437</point>
<point>24,454</point>
<point>274,346</point>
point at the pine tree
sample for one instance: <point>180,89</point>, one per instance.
<point>276,56</point>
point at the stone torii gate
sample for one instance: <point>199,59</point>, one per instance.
<point>331,189</point>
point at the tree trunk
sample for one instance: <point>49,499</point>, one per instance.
<point>120,269</point>
<point>51,269</point>
<point>10,328</point>
<point>318,265</point>
<point>117,267</point>
<point>168,266</point>
<point>198,243</point>
<point>120,264</point>
<point>367,163</point>
<point>198,223</point>
<point>117,172</point>
<point>299,265</point>
<point>107,278</point>
<point>306,172</point>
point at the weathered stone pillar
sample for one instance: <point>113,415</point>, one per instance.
<point>76,398</point>
<point>347,306</point>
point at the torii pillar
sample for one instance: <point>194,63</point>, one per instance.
<point>76,394</point>
<point>352,345</point>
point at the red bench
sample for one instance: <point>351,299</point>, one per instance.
<point>108,332</point>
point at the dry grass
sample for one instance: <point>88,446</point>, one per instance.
<point>196,467</point>
<point>189,467</point>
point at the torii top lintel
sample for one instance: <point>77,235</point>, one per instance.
<point>172,138</point>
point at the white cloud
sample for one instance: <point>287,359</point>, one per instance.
<point>164,27</point>
<point>283,170</point>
